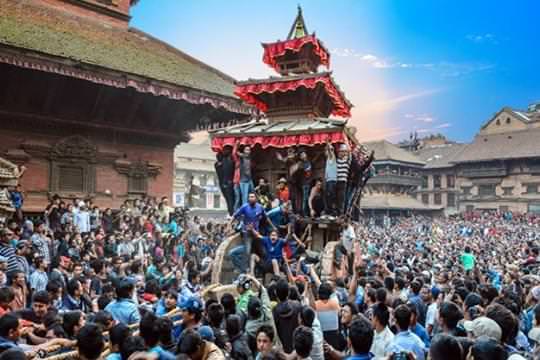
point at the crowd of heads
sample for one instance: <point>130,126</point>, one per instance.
<point>137,283</point>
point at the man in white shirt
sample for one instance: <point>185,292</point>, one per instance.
<point>383,335</point>
<point>433,311</point>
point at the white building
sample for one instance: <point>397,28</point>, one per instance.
<point>195,183</point>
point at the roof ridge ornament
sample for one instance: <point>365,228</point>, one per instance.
<point>299,28</point>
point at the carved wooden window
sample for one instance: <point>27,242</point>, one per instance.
<point>71,179</point>
<point>73,166</point>
<point>138,185</point>
<point>451,199</point>
<point>437,181</point>
<point>486,190</point>
<point>437,199</point>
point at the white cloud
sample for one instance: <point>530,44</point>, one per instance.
<point>482,38</point>
<point>443,126</point>
<point>424,118</point>
<point>369,57</point>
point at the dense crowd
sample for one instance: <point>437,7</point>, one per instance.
<point>132,284</point>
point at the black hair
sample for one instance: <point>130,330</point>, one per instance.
<point>118,334</point>
<point>307,315</point>
<point>450,313</point>
<point>103,301</point>
<point>148,329</point>
<point>103,318</point>
<point>6,295</point>
<point>282,290</point>
<point>445,347</point>
<point>164,327</point>
<point>254,307</point>
<point>72,286</point>
<point>131,345</point>
<point>233,325</point>
<point>70,320</point>
<point>41,297</point>
<point>303,340</point>
<point>216,314</point>
<point>267,330</point>
<point>381,295</point>
<point>124,289</point>
<point>190,342</point>
<point>472,299</point>
<point>389,283</point>
<point>381,313</point>
<point>325,291</point>
<point>402,314</point>
<point>485,348</point>
<point>229,304</point>
<point>361,335</point>
<point>13,354</point>
<point>90,341</point>
<point>506,320</point>
<point>53,286</point>
<point>8,322</point>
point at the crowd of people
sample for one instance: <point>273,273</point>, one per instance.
<point>132,284</point>
<point>346,169</point>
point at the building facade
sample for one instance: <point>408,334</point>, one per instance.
<point>498,171</point>
<point>392,189</point>
<point>195,182</point>
<point>94,108</point>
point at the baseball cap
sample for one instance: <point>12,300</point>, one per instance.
<point>282,180</point>
<point>484,326</point>
<point>207,333</point>
<point>535,292</point>
<point>191,304</point>
<point>242,280</point>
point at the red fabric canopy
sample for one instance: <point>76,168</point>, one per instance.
<point>274,50</point>
<point>249,91</point>
<point>279,141</point>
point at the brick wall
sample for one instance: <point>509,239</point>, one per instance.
<point>36,179</point>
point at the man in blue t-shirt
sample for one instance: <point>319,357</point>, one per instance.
<point>251,214</point>
<point>273,252</point>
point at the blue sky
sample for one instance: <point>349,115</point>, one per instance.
<point>430,66</point>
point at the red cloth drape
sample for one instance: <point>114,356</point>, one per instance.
<point>249,91</point>
<point>274,50</point>
<point>279,141</point>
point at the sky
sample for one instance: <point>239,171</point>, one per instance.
<point>407,65</point>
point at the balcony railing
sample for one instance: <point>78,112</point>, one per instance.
<point>396,180</point>
<point>487,172</point>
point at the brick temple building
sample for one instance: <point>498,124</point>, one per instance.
<point>93,107</point>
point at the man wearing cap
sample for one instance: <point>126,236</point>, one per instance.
<point>243,286</point>
<point>483,326</point>
<point>124,309</point>
<point>192,309</point>
<point>23,250</point>
<point>41,242</point>
<point>282,191</point>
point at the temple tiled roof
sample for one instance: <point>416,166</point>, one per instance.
<point>440,156</point>
<point>25,24</point>
<point>386,151</point>
<point>394,202</point>
<point>289,126</point>
<point>510,145</point>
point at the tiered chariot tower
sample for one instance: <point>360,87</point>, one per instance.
<point>295,109</point>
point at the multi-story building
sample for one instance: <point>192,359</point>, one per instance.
<point>500,169</point>
<point>438,185</point>
<point>195,182</point>
<point>391,191</point>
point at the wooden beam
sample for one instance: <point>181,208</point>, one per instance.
<point>90,125</point>
<point>136,100</point>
